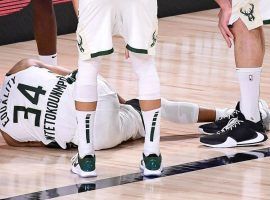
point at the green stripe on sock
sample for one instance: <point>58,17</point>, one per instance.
<point>153,126</point>
<point>87,127</point>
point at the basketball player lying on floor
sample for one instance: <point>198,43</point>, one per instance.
<point>37,109</point>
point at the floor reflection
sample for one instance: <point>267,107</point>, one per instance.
<point>136,177</point>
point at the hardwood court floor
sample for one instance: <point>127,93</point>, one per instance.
<point>194,65</point>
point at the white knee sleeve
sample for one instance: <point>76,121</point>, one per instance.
<point>179,112</point>
<point>144,67</point>
<point>86,81</point>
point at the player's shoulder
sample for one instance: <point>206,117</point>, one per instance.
<point>22,65</point>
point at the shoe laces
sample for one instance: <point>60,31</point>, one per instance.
<point>233,123</point>
<point>235,112</point>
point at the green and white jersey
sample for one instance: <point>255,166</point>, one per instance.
<point>38,105</point>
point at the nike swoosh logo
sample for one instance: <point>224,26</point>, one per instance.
<point>260,138</point>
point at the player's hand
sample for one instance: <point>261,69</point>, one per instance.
<point>224,17</point>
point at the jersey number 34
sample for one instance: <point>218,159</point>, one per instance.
<point>33,97</point>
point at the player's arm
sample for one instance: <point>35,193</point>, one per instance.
<point>14,143</point>
<point>121,99</point>
<point>26,63</point>
<point>224,18</point>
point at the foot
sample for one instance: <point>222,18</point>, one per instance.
<point>238,132</point>
<point>214,127</point>
<point>151,165</point>
<point>84,167</point>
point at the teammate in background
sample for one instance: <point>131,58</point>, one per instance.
<point>245,19</point>
<point>45,30</point>
<point>37,109</point>
<point>136,21</point>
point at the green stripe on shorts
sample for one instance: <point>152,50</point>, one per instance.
<point>134,50</point>
<point>102,53</point>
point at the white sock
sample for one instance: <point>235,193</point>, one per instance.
<point>249,80</point>
<point>85,132</point>
<point>49,59</point>
<point>179,112</point>
<point>224,112</point>
<point>152,131</point>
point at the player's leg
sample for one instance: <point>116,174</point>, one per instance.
<point>94,28</point>
<point>86,98</point>
<point>188,113</point>
<point>223,116</point>
<point>249,53</point>
<point>139,31</point>
<point>184,112</point>
<point>149,95</point>
<point>150,103</point>
<point>45,30</point>
<point>247,128</point>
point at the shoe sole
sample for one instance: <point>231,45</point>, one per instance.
<point>148,173</point>
<point>83,174</point>
<point>230,142</point>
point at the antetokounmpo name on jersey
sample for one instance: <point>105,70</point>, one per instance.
<point>4,101</point>
<point>52,107</point>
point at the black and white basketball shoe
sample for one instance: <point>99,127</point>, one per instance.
<point>214,127</point>
<point>237,132</point>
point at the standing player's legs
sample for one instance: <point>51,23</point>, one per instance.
<point>249,50</point>
<point>45,30</point>
<point>94,37</point>
<point>139,30</point>
<point>249,53</point>
<point>150,103</point>
<point>86,102</point>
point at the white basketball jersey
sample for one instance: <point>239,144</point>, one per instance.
<point>36,105</point>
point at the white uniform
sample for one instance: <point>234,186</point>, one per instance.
<point>135,20</point>
<point>254,13</point>
<point>37,105</point>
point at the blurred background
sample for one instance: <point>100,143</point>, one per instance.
<point>16,17</point>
